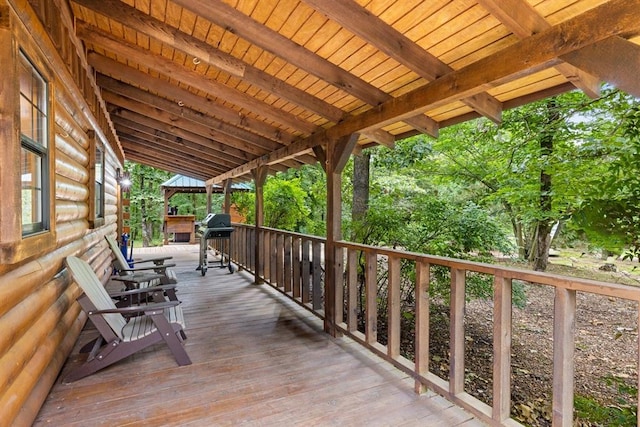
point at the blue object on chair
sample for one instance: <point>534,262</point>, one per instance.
<point>123,248</point>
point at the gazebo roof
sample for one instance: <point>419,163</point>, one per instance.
<point>186,184</point>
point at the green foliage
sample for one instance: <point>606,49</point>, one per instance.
<point>623,413</point>
<point>146,201</point>
<point>284,204</point>
<point>609,215</point>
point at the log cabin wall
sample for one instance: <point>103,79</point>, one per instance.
<point>39,317</point>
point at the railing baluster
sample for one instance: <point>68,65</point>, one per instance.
<point>273,257</point>
<point>316,286</point>
<point>352,290</point>
<point>371,309</point>
<point>280,260</point>
<point>502,288</point>
<point>393,306</point>
<point>306,272</point>
<point>266,262</point>
<point>287,263</point>
<point>456,334</point>
<point>422,323</point>
<point>339,284</point>
<point>564,322</point>
<point>297,270</point>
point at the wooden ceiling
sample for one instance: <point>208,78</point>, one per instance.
<point>214,88</point>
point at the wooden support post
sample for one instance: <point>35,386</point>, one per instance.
<point>227,195</point>
<point>564,323</point>
<point>259,177</point>
<point>393,308</point>
<point>209,189</point>
<point>337,155</point>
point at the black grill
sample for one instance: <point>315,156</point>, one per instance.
<point>215,226</point>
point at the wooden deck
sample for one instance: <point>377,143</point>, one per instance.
<point>258,359</point>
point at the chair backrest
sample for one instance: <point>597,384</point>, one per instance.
<point>86,278</point>
<point>121,261</point>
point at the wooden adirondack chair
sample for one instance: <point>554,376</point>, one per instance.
<point>121,264</point>
<point>121,337</point>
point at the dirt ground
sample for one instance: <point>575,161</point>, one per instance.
<point>605,354</point>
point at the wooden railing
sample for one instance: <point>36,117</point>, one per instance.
<point>294,264</point>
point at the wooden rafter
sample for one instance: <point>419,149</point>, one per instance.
<point>375,31</point>
<point>523,58</point>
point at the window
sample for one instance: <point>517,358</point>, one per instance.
<point>97,154</point>
<point>99,180</point>
<point>34,155</point>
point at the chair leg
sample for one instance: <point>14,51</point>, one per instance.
<point>170,336</point>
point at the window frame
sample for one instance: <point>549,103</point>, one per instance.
<point>14,247</point>
<point>97,203</point>
<point>38,148</point>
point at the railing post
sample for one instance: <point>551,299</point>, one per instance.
<point>422,323</point>
<point>456,332</point>
<point>502,295</point>
<point>564,321</point>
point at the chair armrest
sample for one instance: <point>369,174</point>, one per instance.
<point>151,267</point>
<point>157,260</point>
<point>136,308</point>
<point>138,278</point>
<point>142,290</point>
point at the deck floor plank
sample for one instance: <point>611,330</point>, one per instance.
<point>258,359</point>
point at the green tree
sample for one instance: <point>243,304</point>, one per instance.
<point>538,165</point>
<point>146,201</point>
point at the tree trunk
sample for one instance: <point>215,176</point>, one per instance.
<point>360,205</point>
<point>543,239</point>
<point>146,241</point>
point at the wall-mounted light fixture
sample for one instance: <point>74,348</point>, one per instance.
<point>124,179</point>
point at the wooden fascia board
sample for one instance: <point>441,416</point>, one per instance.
<point>524,57</point>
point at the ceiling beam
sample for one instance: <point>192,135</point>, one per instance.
<point>373,30</point>
<point>205,106</point>
<point>182,111</point>
<point>523,20</point>
<point>227,17</point>
<point>162,161</point>
<point>252,143</point>
<point>180,134</point>
<point>192,78</point>
<point>615,59</point>
<point>133,18</point>
<point>171,143</point>
<point>146,144</point>
<point>523,58</point>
